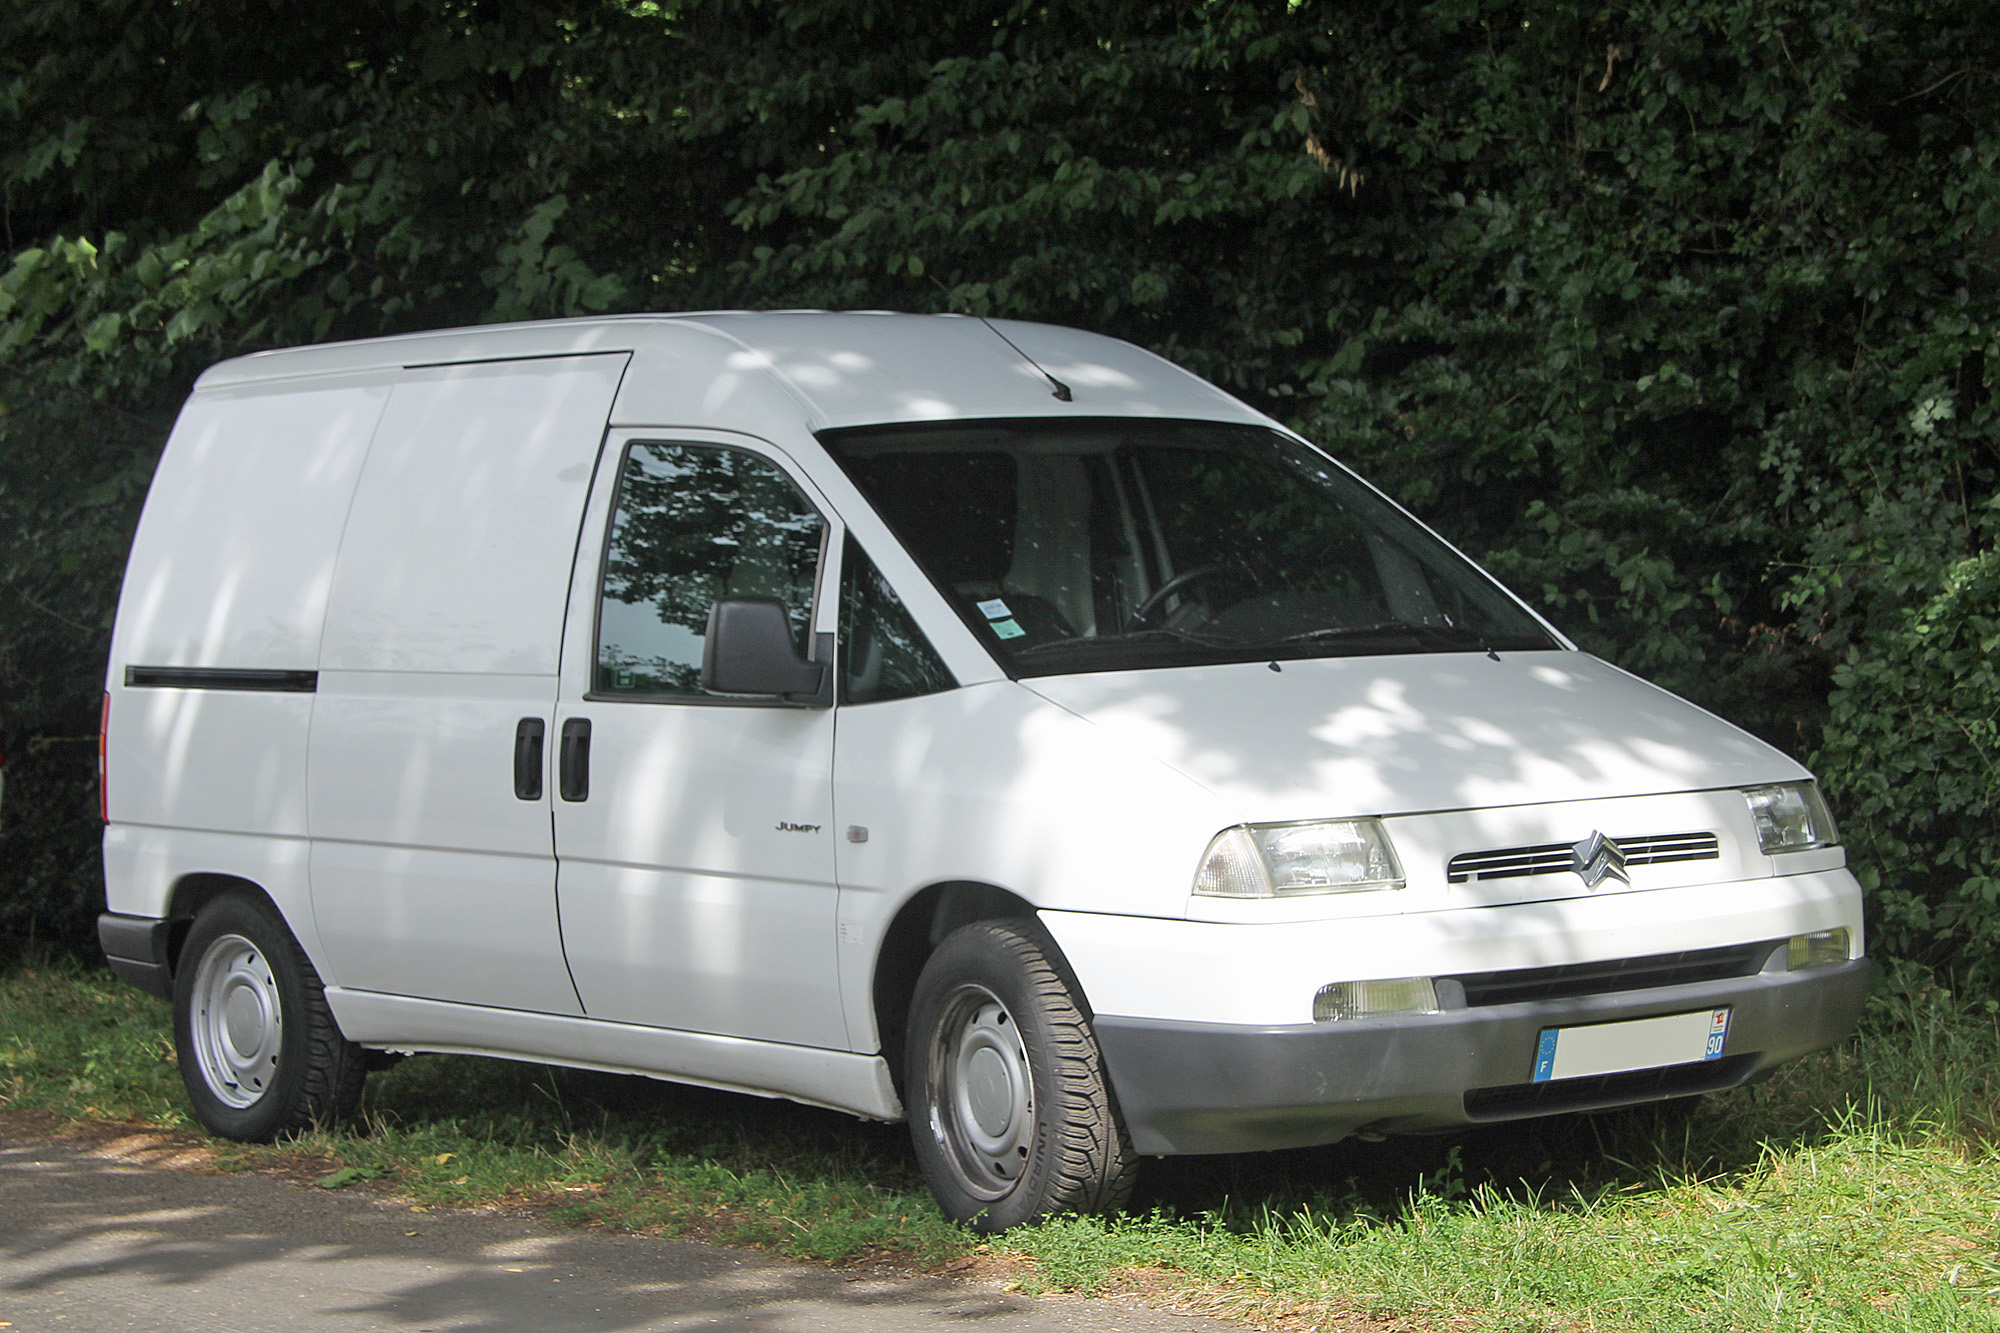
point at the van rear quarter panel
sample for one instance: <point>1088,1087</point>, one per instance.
<point>230,568</point>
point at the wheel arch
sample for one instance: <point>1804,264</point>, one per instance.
<point>918,927</point>
<point>196,890</point>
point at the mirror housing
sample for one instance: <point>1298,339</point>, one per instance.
<point>749,652</point>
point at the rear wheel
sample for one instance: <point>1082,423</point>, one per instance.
<point>259,1051</point>
<point>1010,1113</point>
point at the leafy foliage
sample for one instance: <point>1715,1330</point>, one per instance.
<point>1915,746</point>
<point>1681,316</point>
<point>72,474</point>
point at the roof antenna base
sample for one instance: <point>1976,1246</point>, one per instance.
<point>1061,393</point>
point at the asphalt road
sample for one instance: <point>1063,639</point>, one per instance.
<point>106,1239</point>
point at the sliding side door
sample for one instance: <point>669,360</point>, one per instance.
<point>433,869</point>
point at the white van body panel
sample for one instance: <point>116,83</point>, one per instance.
<point>1267,974</point>
<point>684,905</point>
<point>991,784</point>
<point>436,347</point>
<point>458,546</point>
<point>143,865</point>
<point>171,742</point>
<point>264,480</point>
<point>430,877</point>
<point>264,477</point>
<point>1333,737</point>
<point>870,369</point>
<point>834,370</point>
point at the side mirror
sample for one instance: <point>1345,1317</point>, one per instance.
<point>749,651</point>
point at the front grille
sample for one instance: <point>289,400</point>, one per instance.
<point>1604,1090</point>
<point>1615,974</point>
<point>1551,858</point>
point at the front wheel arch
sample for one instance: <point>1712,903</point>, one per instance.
<point>913,934</point>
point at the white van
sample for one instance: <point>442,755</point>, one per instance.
<point>989,725</point>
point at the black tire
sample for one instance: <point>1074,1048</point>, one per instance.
<point>259,1051</point>
<point>1010,1113</point>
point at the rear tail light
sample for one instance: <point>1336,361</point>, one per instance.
<point>103,787</point>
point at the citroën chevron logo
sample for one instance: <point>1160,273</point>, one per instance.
<point>1597,859</point>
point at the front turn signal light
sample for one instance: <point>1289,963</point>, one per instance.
<point>1375,999</point>
<point>1822,948</point>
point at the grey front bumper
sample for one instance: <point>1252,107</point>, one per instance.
<point>1211,1088</point>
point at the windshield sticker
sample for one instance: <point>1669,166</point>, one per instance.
<point>1008,629</point>
<point>995,609</point>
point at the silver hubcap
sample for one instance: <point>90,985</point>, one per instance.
<point>983,1108</point>
<point>237,1021</point>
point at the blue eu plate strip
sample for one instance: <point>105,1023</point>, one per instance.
<point>1545,1055</point>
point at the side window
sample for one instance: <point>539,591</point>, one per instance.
<point>883,655</point>
<point>694,523</point>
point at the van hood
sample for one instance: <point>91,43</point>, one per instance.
<point>1390,735</point>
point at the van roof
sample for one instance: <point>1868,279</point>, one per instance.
<point>840,368</point>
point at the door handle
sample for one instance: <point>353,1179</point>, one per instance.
<point>528,758</point>
<point>573,779</point>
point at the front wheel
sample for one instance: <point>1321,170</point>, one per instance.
<point>259,1051</point>
<point>1010,1113</point>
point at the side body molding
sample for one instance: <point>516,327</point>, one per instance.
<point>839,1080</point>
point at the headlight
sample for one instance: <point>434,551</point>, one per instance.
<point>1790,817</point>
<point>1329,856</point>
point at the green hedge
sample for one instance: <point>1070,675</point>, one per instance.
<point>1913,747</point>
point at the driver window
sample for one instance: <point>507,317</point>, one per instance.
<point>694,523</point>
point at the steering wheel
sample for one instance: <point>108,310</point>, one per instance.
<point>1144,611</point>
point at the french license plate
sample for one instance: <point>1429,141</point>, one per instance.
<point>1641,1043</point>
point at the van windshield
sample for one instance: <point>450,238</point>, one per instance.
<point>1114,545</point>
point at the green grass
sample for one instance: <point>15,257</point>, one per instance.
<point>1858,1190</point>
<point>627,1153</point>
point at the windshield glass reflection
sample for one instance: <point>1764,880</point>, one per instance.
<point>1105,545</point>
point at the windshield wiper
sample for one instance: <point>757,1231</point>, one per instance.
<point>1454,635</point>
<point>1143,636</point>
